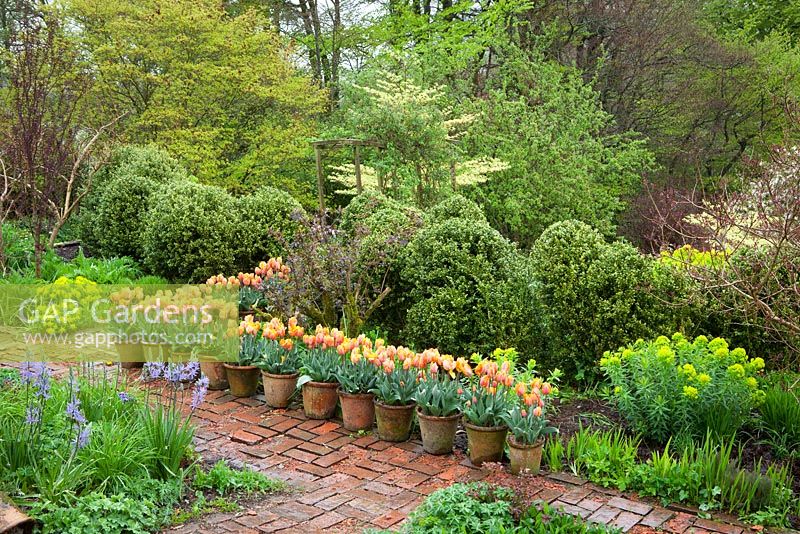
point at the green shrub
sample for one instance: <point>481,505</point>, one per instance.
<point>380,252</point>
<point>455,207</point>
<point>362,206</point>
<point>121,213</point>
<point>113,226</point>
<point>594,296</point>
<point>265,222</point>
<point>667,388</point>
<point>190,231</point>
<point>468,290</point>
<point>18,244</point>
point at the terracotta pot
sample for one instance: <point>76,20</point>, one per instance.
<point>278,388</point>
<point>527,458</point>
<point>358,410</point>
<point>394,422</point>
<point>217,377</point>
<point>243,379</point>
<point>131,355</point>
<point>438,433</point>
<point>319,399</point>
<point>486,443</point>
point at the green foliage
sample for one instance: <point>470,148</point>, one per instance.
<point>439,396</point>
<point>464,508</point>
<point>398,388</point>
<point>562,162</point>
<point>707,475</point>
<point>668,388</point>
<point>384,228</point>
<point>265,223</point>
<point>100,271</point>
<point>78,454</point>
<point>169,434</point>
<point>479,507</point>
<point>360,376</point>
<point>467,288</point>
<point>96,513</point>
<point>121,214</point>
<point>548,520</point>
<point>216,90</point>
<point>527,427</point>
<point>780,420</point>
<point>112,215</point>
<point>593,296</point>
<point>225,480</point>
<point>455,207</point>
<point>202,506</point>
<point>190,232</point>
<point>605,457</point>
<point>361,207</point>
<point>18,244</point>
<point>319,365</point>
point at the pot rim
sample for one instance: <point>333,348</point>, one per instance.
<point>239,367</point>
<point>394,407</point>
<point>354,395</point>
<point>322,385</point>
<point>484,428</point>
<point>437,417</point>
<point>512,442</point>
<point>272,375</point>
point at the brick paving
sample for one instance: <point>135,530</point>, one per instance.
<point>343,482</point>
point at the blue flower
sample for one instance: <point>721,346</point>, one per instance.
<point>82,439</point>
<point>38,375</point>
<point>189,371</point>
<point>199,393</point>
<point>33,414</point>
<point>124,397</point>
<point>74,411</point>
<point>153,370</point>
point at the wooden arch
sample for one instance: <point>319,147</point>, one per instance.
<point>319,146</point>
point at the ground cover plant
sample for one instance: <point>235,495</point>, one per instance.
<point>480,507</point>
<point>88,453</point>
<point>707,474</point>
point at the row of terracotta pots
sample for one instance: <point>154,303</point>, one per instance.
<point>361,410</point>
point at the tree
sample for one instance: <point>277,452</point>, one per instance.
<point>49,148</point>
<point>215,90</point>
<point>421,159</point>
<point>563,163</point>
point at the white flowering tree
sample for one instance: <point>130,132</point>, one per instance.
<point>422,159</point>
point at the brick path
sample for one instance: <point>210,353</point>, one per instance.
<point>346,482</point>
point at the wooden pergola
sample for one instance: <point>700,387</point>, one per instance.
<point>319,146</point>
